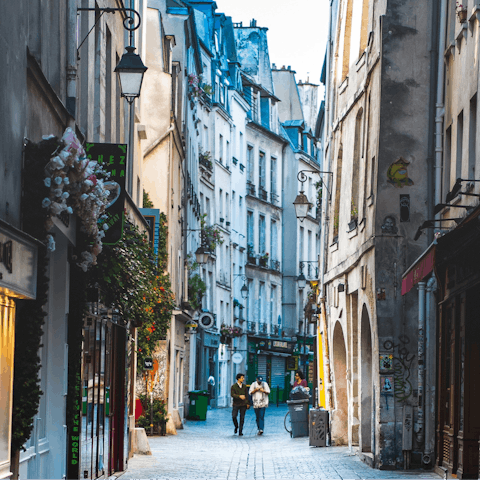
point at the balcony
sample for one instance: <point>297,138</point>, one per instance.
<point>274,199</point>
<point>275,330</point>
<point>262,328</point>
<point>262,194</point>
<point>309,269</point>
<point>204,161</point>
<point>250,189</point>
<point>275,265</point>
<point>251,327</point>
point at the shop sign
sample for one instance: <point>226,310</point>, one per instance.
<point>74,430</point>
<point>113,158</point>
<point>148,363</point>
<point>237,358</point>
<point>18,264</point>
<point>210,340</point>
<point>419,270</point>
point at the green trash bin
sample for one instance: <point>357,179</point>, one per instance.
<point>198,405</point>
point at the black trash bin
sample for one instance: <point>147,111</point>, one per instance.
<point>298,406</point>
<point>318,427</point>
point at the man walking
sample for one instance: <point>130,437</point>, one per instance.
<point>239,394</point>
<point>259,391</point>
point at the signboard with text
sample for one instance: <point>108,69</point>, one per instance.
<point>113,158</point>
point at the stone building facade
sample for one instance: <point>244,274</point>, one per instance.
<point>378,103</point>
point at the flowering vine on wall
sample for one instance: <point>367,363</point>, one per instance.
<point>76,185</point>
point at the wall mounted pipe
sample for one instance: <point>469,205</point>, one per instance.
<point>420,424</point>
<point>430,371</point>
<point>439,106</point>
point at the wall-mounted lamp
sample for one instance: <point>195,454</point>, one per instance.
<point>244,289</point>
<point>301,203</point>
<point>130,72</point>
<point>302,281</point>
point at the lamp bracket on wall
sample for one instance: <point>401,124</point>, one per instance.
<point>130,22</point>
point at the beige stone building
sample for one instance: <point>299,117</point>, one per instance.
<point>379,95</point>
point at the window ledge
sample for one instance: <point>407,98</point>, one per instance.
<point>334,247</point>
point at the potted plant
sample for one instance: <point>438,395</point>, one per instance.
<point>153,413</point>
<point>264,259</point>
<point>250,254</point>
<point>461,12</point>
<point>353,217</point>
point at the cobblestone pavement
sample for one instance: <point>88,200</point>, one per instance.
<point>209,450</point>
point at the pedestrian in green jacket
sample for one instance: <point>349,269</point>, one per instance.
<point>239,393</point>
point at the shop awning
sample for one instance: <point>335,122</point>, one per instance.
<point>419,269</point>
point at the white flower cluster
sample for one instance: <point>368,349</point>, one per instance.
<point>76,186</point>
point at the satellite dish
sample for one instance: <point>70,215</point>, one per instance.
<point>206,320</point>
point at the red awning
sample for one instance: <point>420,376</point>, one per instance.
<point>419,270</point>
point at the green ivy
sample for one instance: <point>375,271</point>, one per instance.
<point>147,203</point>
<point>134,280</point>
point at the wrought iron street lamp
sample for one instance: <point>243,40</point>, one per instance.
<point>301,203</point>
<point>202,255</point>
<point>130,72</point>
<point>302,281</point>
<point>244,291</point>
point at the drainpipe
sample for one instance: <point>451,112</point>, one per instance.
<point>430,371</point>
<point>420,426</point>
<point>72,60</point>
<point>439,106</point>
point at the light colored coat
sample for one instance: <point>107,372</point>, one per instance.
<point>260,399</point>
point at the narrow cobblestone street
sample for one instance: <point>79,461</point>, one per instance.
<point>207,450</point>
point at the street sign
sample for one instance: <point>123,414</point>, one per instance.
<point>237,358</point>
<point>148,363</point>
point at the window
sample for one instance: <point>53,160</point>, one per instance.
<point>265,111</point>
<point>446,160</point>
<point>227,158</point>
<point>250,238</point>
<point>261,302</point>
<point>261,234</point>
<point>261,170</point>
<point>220,203</point>
<point>220,148</point>
<point>227,207</point>
<point>472,135</point>
<point>273,175</point>
<point>310,246</point>
<point>207,210</point>
<point>458,157</point>
<point>206,143</point>
<point>250,169</point>
<point>241,147</point>
<point>300,247</point>
<point>273,303</point>
<point>273,240</point>
<point>355,200</point>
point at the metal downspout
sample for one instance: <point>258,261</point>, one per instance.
<point>72,60</point>
<point>420,424</point>
<point>430,374</point>
<point>439,106</point>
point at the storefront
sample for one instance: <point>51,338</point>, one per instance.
<point>272,360</point>
<point>457,268</point>
<point>18,274</point>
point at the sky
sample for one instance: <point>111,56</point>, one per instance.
<point>297,31</point>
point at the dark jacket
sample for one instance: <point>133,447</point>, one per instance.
<point>236,391</point>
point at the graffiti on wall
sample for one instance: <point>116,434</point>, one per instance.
<point>397,174</point>
<point>402,361</point>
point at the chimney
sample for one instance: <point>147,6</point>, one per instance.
<point>253,23</point>
<point>274,67</point>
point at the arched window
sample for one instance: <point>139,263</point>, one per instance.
<point>357,152</point>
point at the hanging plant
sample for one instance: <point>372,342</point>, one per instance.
<point>135,282</point>
<point>76,185</point>
<point>211,235</point>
